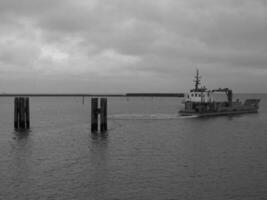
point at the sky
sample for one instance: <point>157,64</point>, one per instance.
<point>114,46</point>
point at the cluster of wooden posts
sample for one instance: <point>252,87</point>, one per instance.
<point>98,114</point>
<point>21,113</point>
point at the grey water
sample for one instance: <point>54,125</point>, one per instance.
<point>149,152</point>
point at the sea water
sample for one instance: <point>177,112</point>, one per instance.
<point>149,152</point>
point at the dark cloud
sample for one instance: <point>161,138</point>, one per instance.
<point>148,39</point>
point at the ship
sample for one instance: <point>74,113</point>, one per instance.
<point>200,102</point>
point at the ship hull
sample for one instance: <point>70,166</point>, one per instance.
<point>210,114</point>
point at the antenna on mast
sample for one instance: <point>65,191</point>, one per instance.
<point>197,80</point>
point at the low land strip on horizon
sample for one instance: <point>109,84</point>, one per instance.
<point>93,95</point>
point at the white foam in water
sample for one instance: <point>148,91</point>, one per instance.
<point>188,117</point>
<point>140,116</point>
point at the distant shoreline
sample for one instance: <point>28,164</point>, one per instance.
<point>93,95</point>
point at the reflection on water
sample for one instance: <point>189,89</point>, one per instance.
<point>19,163</point>
<point>99,154</point>
<point>99,136</point>
<point>21,134</point>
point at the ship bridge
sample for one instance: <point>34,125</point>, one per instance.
<point>199,94</point>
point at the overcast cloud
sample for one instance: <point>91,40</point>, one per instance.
<point>126,45</point>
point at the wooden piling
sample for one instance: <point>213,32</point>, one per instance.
<point>102,111</point>
<point>94,115</point>
<point>22,113</point>
<point>27,112</point>
<point>16,120</point>
<point>103,115</point>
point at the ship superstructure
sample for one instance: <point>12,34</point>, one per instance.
<point>198,94</point>
<point>199,101</point>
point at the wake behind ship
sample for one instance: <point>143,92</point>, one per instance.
<point>199,101</point>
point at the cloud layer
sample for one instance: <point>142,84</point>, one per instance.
<point>125,45</point>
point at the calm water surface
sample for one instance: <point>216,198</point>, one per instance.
<point>149,152</point>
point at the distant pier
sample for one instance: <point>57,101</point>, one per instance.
<point>92,95</point>
<point>155,94</point>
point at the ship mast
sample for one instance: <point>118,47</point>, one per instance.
<point>197,80</point>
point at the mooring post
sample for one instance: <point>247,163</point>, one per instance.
<point>27,112</point>
<point>103,115</point>
<point>83,99</point>
<point>95,112</point>
<point>94,115</point>
<point>16,121</point>
<point>21,113</point>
